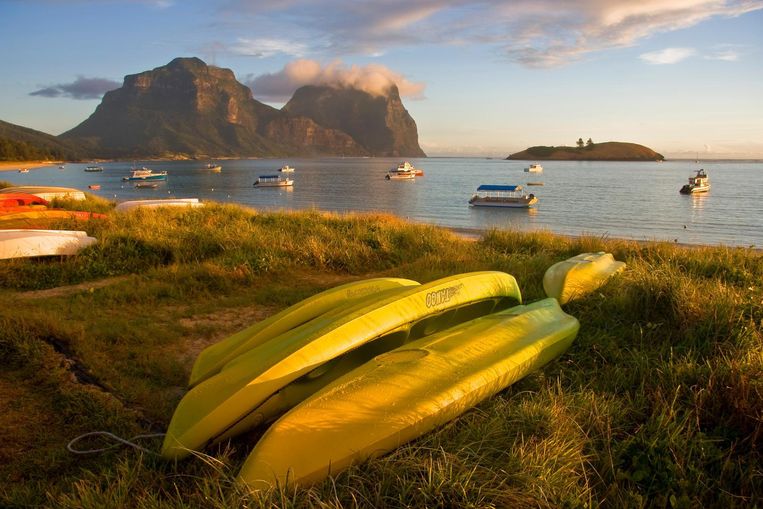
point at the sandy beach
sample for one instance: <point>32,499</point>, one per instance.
<point>16,165</point>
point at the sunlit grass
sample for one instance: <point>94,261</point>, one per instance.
<point>657,403</point>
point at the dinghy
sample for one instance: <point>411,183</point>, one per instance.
<point>32,243</point>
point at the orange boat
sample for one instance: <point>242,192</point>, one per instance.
<point>19,199</point>
<point>42,218</point>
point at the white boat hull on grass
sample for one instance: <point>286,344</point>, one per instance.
<point>47,192</point>
<point>32,243</point>
<point>153,204</point>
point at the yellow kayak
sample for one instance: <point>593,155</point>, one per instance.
<point>405,393</point>
<point>579,275</point>
<point>213,358</point>
<point>222,402</point>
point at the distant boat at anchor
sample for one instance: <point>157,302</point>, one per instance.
<point>699,183</point>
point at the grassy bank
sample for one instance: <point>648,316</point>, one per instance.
<point>658,402</point>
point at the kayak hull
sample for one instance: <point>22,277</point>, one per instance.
<point>212,359</point>
<point>579,275</point>
<point>33,243</point>
<point>405,393</point>
<point>222,402</point>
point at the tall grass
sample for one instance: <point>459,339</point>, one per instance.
<point>657,404</point>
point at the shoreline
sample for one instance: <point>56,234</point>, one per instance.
<point>30,165</point>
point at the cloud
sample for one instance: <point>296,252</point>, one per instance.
<point>725,55</point>
<point>263,48</point>
<point>533,33</point>
<point>667,56</point>
<point>82,88</point>
<point>373,78</point>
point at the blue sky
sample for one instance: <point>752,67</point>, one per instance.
<point>683,77</point>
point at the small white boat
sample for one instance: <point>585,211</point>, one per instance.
<point>147,185</point>
<point>699,183</point>
<point>534,168</point>
<point>400,175</point>
<point>405,168</point>
<point>273,181</point>
<point>23,170</point>
<point>94,168</point>
<point>214,167</point>
<point>32,243</point>
<point>502,196</point>
<point>153,204</point>
<point>286,169</point>
<point>47,192</point>
<point>145,174</point>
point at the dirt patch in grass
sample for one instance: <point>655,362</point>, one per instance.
<point>210,328</point>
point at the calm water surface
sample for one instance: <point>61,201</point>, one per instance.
<point>606,199</point>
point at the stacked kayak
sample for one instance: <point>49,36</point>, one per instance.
<point>263,382</point>
<point>27,207</point>
<point>358,370</point>
<point>402,394</point>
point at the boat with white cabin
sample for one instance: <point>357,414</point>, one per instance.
<point>490,195</point>
<point>699,183</point>
<point>273,181</point>
<point>286,169</point>
<point>534,168</point>
<point>145,174</point>
<point>214,167</point>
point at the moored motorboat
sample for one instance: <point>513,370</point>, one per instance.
<point>406,167</point>
<point>273,181</point>
<point>214,167</point>
<point>489,195</point>
<point>404,393</point>
<point>146,185</point>
<point>534,168</point>
<point>286,169</point>
<point>93,168</point>
<point>699,183</point>
<point>94,187</point>
<point>23,170</point>
<point>145,174</point>
<point>32,243</point>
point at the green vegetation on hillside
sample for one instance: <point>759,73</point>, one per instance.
<point>19,143</point>
<point>590,151</point>
<point>658,402</point>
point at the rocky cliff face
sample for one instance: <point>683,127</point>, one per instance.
<point>380,124</point>
<point>188,108</point>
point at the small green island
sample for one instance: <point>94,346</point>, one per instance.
<point>590,151</point>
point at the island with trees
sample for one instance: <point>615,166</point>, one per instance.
<point>590,151</point>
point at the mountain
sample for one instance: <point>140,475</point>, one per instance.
<point>380,123</point>
<point>190,109</point>
<point>19,143</point>
<point>608,151</point>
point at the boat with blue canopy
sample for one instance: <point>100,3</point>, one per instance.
<point>492,195</point>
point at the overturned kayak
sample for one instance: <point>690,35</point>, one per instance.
<point>46,192</point>
<point>212,359</point>
<point>37,218</point>
<point>323,349</point>
<point>153,204</point>
<point>405,393</point>
<point>33,243</point>
<point>579,275</point>
<point>20,199</point>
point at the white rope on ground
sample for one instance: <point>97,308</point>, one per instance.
<point>121,441</point>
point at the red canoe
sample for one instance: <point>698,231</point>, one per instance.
<point>19,199</point>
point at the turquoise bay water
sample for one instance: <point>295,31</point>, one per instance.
<point>605,199</point>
